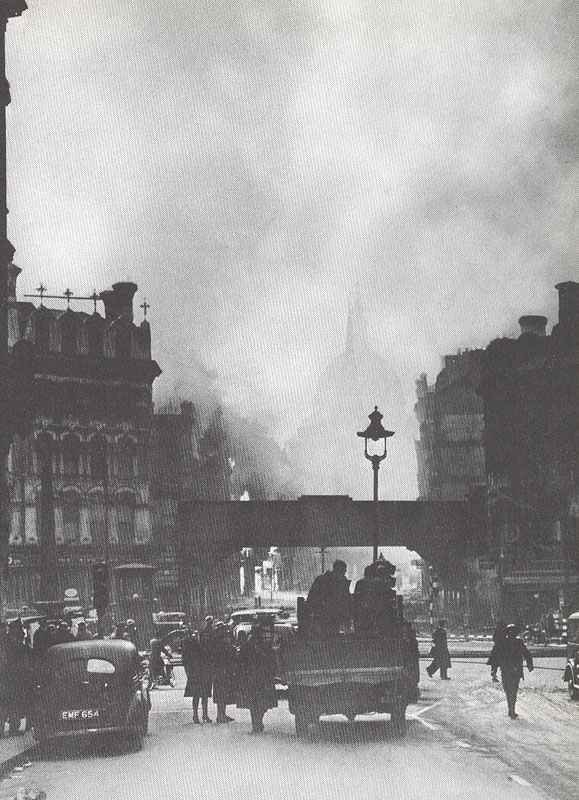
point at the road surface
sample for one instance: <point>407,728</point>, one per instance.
<point>460,744</point>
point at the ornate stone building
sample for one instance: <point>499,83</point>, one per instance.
<point>79,481</point>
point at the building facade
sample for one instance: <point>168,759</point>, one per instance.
<point>79,479</point>
<point>450,414</point>
<point>530,388</point>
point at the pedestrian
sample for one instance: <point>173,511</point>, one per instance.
<point>328,604</point>
<point>223,660</point>
<point>198,669</point>
<point>498,635</point>
<point>42,638</point>
<point>257,668</point>
<point>509,654</point>
<point>82,634</point>
<point>16,680</point>
<point>62,633</point>
<point>439,652</point>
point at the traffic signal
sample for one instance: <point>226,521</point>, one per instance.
<point>100,578</point>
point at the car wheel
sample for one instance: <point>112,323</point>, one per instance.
<point>573,692</point>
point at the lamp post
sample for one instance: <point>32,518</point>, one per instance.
<point>375,432</point>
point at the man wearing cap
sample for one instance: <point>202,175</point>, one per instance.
<point>509,653</point>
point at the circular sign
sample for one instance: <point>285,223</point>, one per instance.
<point>70,594</point>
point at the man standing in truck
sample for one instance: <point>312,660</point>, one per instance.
<point>328,604</point>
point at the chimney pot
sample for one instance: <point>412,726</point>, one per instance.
<point>533,324</point>
<point>119,300</point>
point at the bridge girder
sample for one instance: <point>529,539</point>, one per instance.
<point>442,532</point>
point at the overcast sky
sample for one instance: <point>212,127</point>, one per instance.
<point>247,163</point>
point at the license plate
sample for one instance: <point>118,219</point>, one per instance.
<point>78,714</point>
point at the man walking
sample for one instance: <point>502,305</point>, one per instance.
<point>439,652</point>
<point>509,654</point>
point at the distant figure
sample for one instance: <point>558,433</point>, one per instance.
<point>509,654</point>
<point>498,636</point>
<point>82,633</point>
<point>42,638</point>
<point>197,662</point>
<point>328,603</point>
<point>439,652</point>
<point>256,677</point>
<point>62,634</point>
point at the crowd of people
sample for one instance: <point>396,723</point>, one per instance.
<point>242,674</point>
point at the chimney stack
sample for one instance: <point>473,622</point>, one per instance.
<point>568,327</point>
<point>533,324</point>
<point>119,300</point>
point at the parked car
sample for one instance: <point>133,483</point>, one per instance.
<point>571,673</point>
<point>91,688</point>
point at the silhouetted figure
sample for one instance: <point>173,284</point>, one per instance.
<point>257,666</point>
<point>82,633</point>
<point>375,599</point>
<point>509,654</point>
<point>439,653</point>
<point>328,605</point>
<point>197,662</point>
<point>223,657</point>
<point>498,635</point>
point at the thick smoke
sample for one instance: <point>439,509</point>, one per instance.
<point>248,164</point>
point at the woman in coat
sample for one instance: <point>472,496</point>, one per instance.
<point>197,662</point>
<point>257,667</point>
<point>223,660</point>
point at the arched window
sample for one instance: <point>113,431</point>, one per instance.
<point>71,455</point>
<point>71,517</point>
<point>68,331</point>
<point>97,520</point>
<point>127,458</point>
<point>126,512</point>
<point>98,457</point>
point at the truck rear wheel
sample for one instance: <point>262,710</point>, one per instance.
<point>398,719</point>
<point>573,692</point>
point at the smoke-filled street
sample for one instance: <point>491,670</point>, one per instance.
<point>444,754</point>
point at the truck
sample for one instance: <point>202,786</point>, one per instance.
<point>351,673</point>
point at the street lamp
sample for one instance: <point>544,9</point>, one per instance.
<point>375,432</point>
